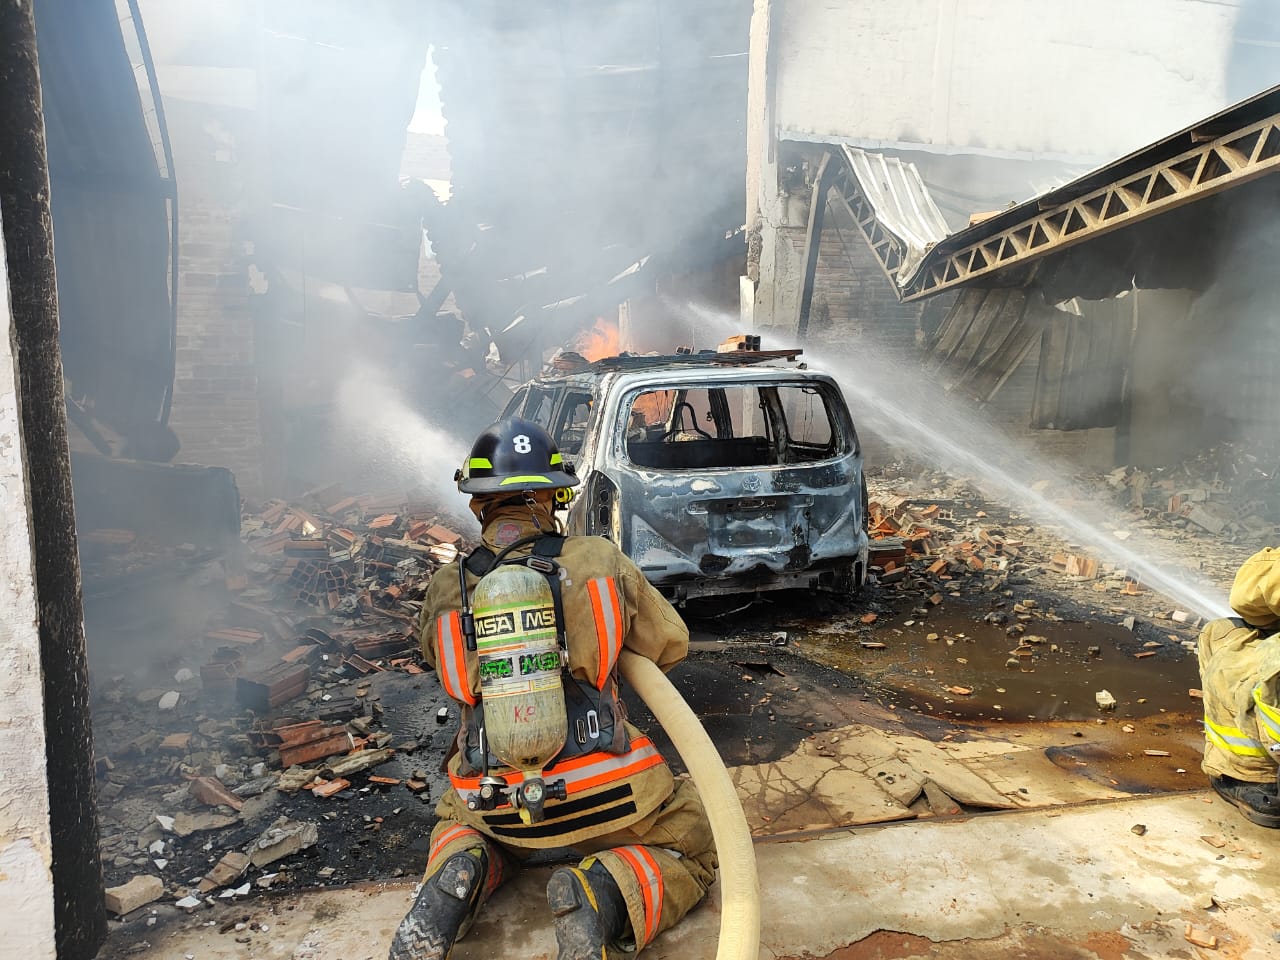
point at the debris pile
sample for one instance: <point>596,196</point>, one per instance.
<point>226,750</point>
<point>359,554</point>
<point>1226,493</point>
<point>951,543</point>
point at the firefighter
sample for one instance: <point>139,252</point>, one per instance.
<point>1240,676</point>
<point>607,794</point>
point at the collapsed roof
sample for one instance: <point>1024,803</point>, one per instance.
<point>591,150</point>
<point>1152,219</point>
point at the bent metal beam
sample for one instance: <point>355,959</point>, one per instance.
<point>1211,166</point>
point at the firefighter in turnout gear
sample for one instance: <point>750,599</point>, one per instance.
<point>1240,676</point>
<point>544,757</point>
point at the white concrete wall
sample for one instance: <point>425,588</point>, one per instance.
<point>26,850</point>
<point>1078,78</point>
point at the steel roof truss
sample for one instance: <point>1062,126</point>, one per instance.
<point>1206,169</point>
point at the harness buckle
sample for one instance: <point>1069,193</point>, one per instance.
<point>541,565</point>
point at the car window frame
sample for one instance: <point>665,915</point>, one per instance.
<point>774,421</point>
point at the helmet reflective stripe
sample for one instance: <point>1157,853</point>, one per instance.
<point>604,604</point>
<point>514,453</point>
<point>581,773</point>
<point>451,659</point>
<point>1232,740</point>
<point>649,874</point>
<point>1268,714</point>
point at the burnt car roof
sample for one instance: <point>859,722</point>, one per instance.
<point>750,364</point>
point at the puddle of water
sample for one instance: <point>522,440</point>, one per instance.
<point>1055,676</point>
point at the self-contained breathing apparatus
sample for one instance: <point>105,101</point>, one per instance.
<point>532,711</point>
<point>515,626</point>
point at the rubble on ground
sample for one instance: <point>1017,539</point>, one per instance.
<point>935,535</point>
<point>270,713</point>
<point>266,726</point>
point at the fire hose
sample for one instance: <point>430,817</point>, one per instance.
<point>739,885</point>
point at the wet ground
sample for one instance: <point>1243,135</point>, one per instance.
<point>764,680</point>
<point>1001,673</point>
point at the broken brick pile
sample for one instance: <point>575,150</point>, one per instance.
<point>278,698</point>
<point>1228,493</point>
<point>946,545</point>
<point>358,553</point>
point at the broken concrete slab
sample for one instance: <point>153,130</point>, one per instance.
<point>282,839</point>
<point>227,870</point>
<point>138,892</point>
<point>929,761</point>
<point>803,793</point>
<point>185,824</point>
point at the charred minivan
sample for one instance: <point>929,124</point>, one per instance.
<point>717,473</point>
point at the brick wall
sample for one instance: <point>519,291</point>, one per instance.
<point>216,410</point>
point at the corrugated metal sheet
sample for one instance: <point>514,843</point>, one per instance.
<point>1082,356</point>
<point>902,204</point>
<point>984,338</point>
<point>1080,380</point>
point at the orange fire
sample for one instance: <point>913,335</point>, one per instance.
<point>602,340</point>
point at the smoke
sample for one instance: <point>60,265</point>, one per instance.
<point>895,401</point>
<point>389,445</point>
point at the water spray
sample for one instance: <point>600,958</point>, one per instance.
<point>396,443</point>
<point>962,443</point>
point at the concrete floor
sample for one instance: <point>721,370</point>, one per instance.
<point>855,864</point>
<point>1073,881</point>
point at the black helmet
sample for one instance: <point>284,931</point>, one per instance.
<point>511,456</point>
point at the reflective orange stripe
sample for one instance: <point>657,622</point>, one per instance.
<point>649,874</point>
<point>451,658</point>
<point>449,836</point>
<point>608,615</point>
<point>581,773</point>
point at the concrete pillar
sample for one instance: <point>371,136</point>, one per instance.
<point>49,863</point>
<point>26,842</point>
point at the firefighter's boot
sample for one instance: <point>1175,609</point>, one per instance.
<point>1258,802</point>
<point>447,903</point>
<point>589,911</point>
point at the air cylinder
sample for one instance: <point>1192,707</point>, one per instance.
<point>520,668</point>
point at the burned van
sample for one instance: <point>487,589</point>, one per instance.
<point>717,473</point>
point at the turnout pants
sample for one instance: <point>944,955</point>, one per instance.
<point>1239,674</point>
<point>663,864</point>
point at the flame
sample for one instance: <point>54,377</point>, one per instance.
<point>602,340</point>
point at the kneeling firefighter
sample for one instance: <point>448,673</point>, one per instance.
<point>544,756</point>
<point>1240,676</point>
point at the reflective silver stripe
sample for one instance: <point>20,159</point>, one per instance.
<point>451,658</point>
<point>608,613</point>
<point>650,876</point>
<point>1232,740</point>
<point>1269,715</point>
<point>606,769</point>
